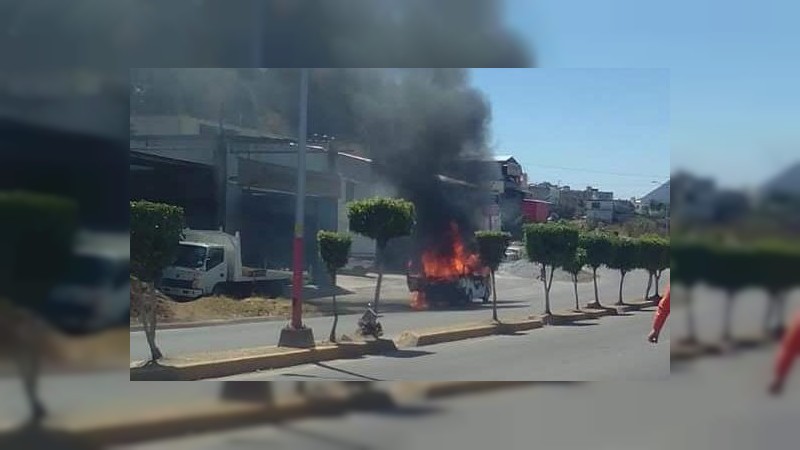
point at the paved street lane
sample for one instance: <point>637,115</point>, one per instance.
<point>517,297</point>
<point>613,348</point>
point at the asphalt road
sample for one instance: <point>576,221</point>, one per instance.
<point>517,297</point>
<point>613,348</point>
<point>713,404</point>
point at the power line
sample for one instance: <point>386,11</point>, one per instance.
<point>622,174</point>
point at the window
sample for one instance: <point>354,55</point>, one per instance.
<point>595,205</point>
<point>190,256</point>
<point>215,257</point>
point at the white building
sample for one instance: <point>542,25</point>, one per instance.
<point>599,206</point>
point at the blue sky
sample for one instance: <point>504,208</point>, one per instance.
<point>734,73</point>
<point>607,128</point>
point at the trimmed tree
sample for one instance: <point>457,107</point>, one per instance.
<point>651,252</point>
<point>36,237</point>
<point>334,248</point>
<point>775,267</point>
<point>156,230</point>
<point>492,247</point>
<point>381,219</point>
<point>624,257</point>
<point>573,266</point>
<point>598,249</point>
<point>690,258</point>
<point>663,263</point>
<point>730,269</point>
<point>550,245</point>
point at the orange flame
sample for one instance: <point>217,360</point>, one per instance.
<point>453,264</point>
<point>418,302</point>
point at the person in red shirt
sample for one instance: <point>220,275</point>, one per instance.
<point>790,347</point>
<point>661,316</point>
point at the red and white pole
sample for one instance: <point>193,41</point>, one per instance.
<point>297,266</point>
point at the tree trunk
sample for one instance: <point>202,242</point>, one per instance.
<point>770,313</point>
<point>726,326</point>
<point>690,322</point>
<point>596,295</point>
<point>148,317</point>
<point>783,297</point>
<point>547,286</point>
<point>575,285</point>
<point>335,310</point>
<point>621,281</point>
<point>379,264</point>
<point>494,299</point>
<point>649,285</point>
<point>28,357</point>
<point>658,279</point>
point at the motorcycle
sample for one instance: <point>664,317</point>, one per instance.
<point>368,323</point>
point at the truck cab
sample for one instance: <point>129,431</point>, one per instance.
<point>198,269</point>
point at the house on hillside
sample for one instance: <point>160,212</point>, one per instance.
<point>599,206</point>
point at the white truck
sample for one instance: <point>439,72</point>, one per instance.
<point>210,263</point>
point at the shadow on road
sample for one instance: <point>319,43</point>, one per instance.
<point>576,324</point>
<point>407,354</point>
<point>36,437</point>
<point>333,441</point>
<point>347,372</point>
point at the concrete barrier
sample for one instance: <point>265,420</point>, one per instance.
<point>445,334</point>
<point>227,363</point>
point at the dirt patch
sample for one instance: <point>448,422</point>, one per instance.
<point>227,308</point>
<point>210,308</point>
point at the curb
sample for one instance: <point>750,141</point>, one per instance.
<point>636,306</point>
<point>469,331</point>
<point>150,425</point>
<point>187,369</point>
<point>438,336</point>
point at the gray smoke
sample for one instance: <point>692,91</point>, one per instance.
<point>424,125</point>
<point>417,125</point>
<point>117,34</point>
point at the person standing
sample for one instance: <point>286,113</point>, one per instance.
<point>661,316</point>
<point>790,347</point>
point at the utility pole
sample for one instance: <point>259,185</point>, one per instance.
<point>296,334</point>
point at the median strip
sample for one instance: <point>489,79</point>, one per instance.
<point>235,362</point>
<point>122,427</point>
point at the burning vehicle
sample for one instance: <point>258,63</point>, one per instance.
<point>449,274</point>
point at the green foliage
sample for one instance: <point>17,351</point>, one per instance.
<point>575,264</point>
<point>36,239</point>
<point>730,267</point>
<point>598,248</point>
<point>492,247</point>
<point>624,254</point>
<point>690,260</point>
<point>156,230</point>
<point>381,219</point>
<point>769,264</point>
<point>334,248</point>
<point>550,244</point>
<point>664,256</point>
<point>653,253</point>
